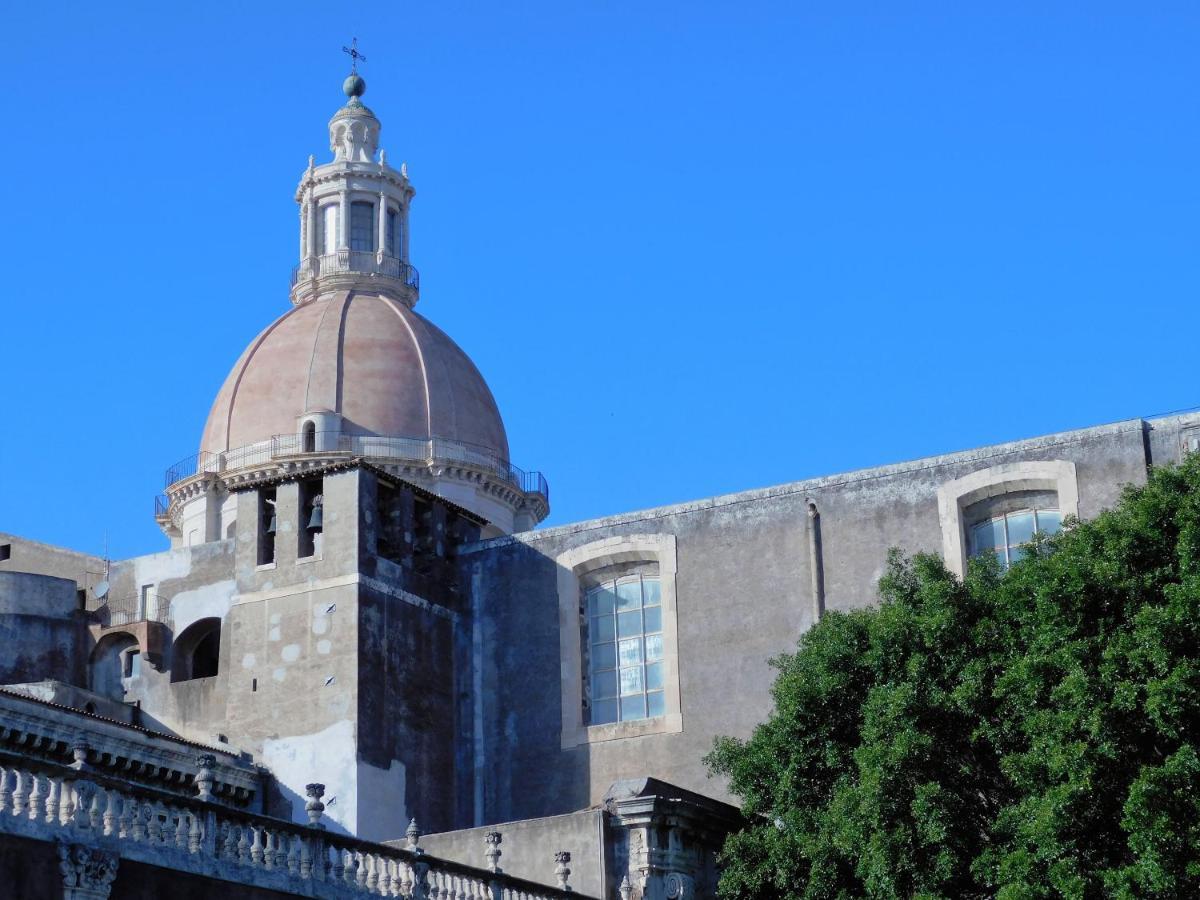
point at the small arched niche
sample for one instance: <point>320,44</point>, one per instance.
<point>197,651</point>
<point>115,659</point>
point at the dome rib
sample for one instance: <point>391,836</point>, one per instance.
<point>395,307</point>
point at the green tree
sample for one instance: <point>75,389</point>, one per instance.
<point>1027,734</point>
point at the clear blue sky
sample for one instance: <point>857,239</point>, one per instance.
<point>694,247</point>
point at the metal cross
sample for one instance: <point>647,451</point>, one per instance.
<point>355,56</point>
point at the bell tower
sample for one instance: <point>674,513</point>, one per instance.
<point>354,213</point>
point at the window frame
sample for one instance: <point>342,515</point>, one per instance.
<point>956,495</point>
<point>973,550</point>
<point>619,556</point>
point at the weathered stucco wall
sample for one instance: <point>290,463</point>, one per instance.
<point>528,848</point>
<point>745,594</point>
<point>42,629</point>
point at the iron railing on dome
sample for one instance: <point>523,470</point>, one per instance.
<point>344,261</point>
<point>370,446</point>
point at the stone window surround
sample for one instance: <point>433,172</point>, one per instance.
<point>574,565</point>
<point>955,496</point>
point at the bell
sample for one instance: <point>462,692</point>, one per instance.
<point>271,525</point>
<point>316,520</point>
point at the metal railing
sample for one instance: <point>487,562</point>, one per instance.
<point>369,446</point>
<point>341,262</point>
<point>113,611</point>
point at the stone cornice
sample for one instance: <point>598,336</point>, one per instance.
<point>34,727</point>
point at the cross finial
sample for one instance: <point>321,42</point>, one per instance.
<point>355,56</point>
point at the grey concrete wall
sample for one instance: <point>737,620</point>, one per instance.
<point>37,558</point>
<point>528,848</point>
<point>744,595</point>
<point>42,630</point>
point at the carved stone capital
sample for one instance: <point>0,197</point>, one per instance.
<point>87,873</point>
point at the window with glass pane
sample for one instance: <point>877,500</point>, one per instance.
<point>393,233</point>
<point>362,225</point>
<point>1004,535</point>
<point>625,650</point>
<point>327,229</point>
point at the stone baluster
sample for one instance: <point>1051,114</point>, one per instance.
<point>406,879</point>
<point>195,835</point>
<point>243,844</point>
<point>420,882</point>
<point>181,828</point>
<point>351,868</point>
<point>229,840</point>
<point>256,845</point>
<point>95,811</point>
<point>372,867</point>
<point>5,788</point>
<point>306,859</point>
<point>562,868</point>
<point>83,792</point>
<point>52,801</point>
<point>154,831</point>
<point>339,864</point>
<point>20,792</point>
<point>137,824</point>
<point>293,856</point>
<point>35,797</point>
<point>492,851</point>
<point>111,799</point>
<point>386,868</point>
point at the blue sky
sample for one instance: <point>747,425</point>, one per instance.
<point>694,247</point>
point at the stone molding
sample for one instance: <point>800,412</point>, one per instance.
<point>955,496</point>
<point>575,564</point>
<point>96,821</point>
<point>52,733</point>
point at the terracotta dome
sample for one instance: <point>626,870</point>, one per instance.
<point>385,369</point>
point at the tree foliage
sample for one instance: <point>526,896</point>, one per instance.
<point>1027,734</point>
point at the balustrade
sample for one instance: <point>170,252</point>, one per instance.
<point>45,801</point>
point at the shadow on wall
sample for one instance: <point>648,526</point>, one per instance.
<point>197,651</point>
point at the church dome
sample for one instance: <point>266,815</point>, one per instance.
<point>372,362</point>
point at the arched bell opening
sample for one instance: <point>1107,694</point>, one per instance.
<point>197,651</point>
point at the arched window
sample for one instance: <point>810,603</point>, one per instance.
<point>1005,534</point>
<point>625,650</point>
<point>309,437</point>
<point>362,225</point>
<point>327,229</point>
<point>395,243</point>
<point>197,651</point>
<point>999,508</point>
<point>618,639</point>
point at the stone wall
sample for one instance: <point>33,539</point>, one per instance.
<point>747,588</point>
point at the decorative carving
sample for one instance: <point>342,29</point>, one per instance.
<point>79,750</point>
<point>314,807</point>
<point>204,775</point>
<point>562,868</point>
<point>87,873</point>
<point>679,886</point>
<point>493,839</point>
<point>413,834</point>
<point>626,888</point>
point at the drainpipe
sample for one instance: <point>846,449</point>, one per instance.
<point>817,567</point>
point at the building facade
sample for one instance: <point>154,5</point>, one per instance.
<point>357,627</point>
